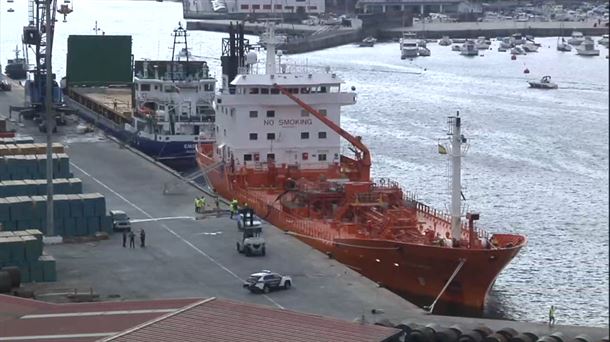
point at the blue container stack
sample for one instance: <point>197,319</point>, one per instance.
<point>23,249</point>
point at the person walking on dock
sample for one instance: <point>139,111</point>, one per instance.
<point>132,242</point>
<point>124,238</point>
<point>202,204</point>
<point>142,238</point>
<point>217,202</point>
<point>552,316</point>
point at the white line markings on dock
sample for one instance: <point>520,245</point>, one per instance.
<point>171,231</point>
<point>164,219</point>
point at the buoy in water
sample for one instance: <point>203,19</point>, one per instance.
<point>513,57</point>
<point>526,71</point>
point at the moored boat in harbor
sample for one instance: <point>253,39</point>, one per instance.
<point>279,152</point>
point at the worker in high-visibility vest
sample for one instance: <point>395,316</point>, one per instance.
<point>197,204</point>
<point>202,204</point>
<point>233,207</point>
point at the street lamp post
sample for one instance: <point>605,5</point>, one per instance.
<point>50,118</point>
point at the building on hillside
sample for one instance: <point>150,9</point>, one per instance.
<point>416,6</point>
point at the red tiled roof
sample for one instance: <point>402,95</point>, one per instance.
<point>225,320</point>
<point>20,317</point>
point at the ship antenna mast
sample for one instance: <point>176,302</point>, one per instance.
<point>271,41</point>
<point>457,139</point>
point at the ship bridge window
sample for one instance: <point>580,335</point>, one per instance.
<point>254,114</point>
<point>270,113</point>
<point>322,157</point>
<point>335,89</point>
<point>208,87</point>
<point>253,136</point>
<point>244,7</point>
<point>304,113</point>
<point>264,90</point>
<point>145,87</point>
<point>322,111</point>
<point>304,135</point>
<point>247,157</point>
<point>305,90</point>
<point>321,135</point>
<point>253,90</point>
<point>270,136</point>
<point>270,157</point>
<point>278,7</point>
<point>267,7</point>
<point>293,90</point>
<point>275,91</point>
<point>256,7</point>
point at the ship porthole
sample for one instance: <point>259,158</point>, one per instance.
<point>396,264</point>
<point>377,260</point>
<point>492,258</point>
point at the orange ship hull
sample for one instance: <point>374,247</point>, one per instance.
<point>414,270</point>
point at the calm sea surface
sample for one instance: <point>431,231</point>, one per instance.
<point>537,164</point>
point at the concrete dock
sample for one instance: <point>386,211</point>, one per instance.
<point>495,29</point>
<point>189,256</point>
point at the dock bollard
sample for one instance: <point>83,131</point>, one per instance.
<point>508,333</point>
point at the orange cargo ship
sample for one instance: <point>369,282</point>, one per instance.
<point>266,155</point>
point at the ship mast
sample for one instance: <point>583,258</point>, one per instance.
<point>270,40</point>
<point>457,139</point>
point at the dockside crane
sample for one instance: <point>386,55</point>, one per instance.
<point>42,92</point>
<point>38,36</point>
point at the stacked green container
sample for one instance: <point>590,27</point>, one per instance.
<point>24,249</point>
<point>33,166</point>
<point>74,214</point>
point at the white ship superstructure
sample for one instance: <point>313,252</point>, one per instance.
<point>256,124</point>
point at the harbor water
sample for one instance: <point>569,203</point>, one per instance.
<point>537,163</point>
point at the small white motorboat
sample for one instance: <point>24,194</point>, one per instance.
<point>530,47</point>
<point>544,83</point>
<point>422,49</point>
<point>445,41</point>
<point>368,42</point>
<point>518,50</point>
<point>563,46</point>
<point>605,41</point>
<point>483,43</point>
<point>576,39</point>
<point>456,47</point>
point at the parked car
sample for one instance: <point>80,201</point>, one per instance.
<point>266,281</point>
<point>120,221</point>
<point>5,86</point>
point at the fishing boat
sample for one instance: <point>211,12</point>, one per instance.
<point>587,48</point>
<point>544,83</point>
<point>278,150</point>
<point>16,68</point>
<point>408,45</point>
<point>469,48</point>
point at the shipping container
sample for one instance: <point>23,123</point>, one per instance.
<point>94,60</point>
